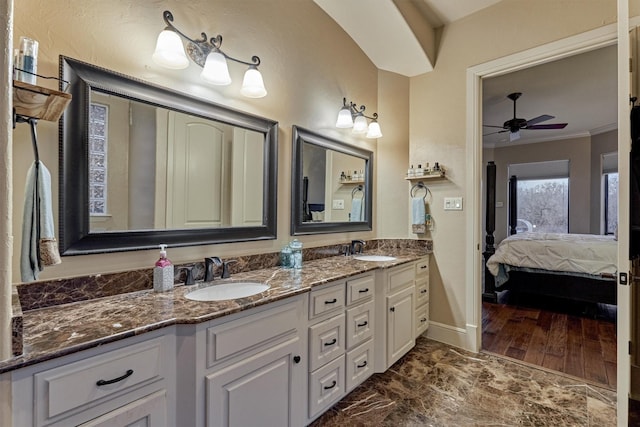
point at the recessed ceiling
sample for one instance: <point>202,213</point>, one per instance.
<point>580,90</point>
<point>448,11</point>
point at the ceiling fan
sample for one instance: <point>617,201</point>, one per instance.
<point>514,125</point>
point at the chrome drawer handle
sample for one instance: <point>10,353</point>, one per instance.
<point>360,325</point>
<point>363,365</point>
<point>364,291</point>
<point>115,380</point>
<point>332,301</point>
<point>327,344</point>
<point>328,387</point>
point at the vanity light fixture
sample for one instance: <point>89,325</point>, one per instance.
<point>350,116</point>
<point>170,53</point>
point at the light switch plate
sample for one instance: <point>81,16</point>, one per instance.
<point>453,203</point>
<point>338,204</point>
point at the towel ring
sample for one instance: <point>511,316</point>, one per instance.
<point>355,190</point>
<point>417,187</point>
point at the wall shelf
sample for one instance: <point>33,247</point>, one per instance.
<point>37,102</point>
<point>352,181</point>
<point>429,177</point>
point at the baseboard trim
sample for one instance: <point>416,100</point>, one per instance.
<point>452,335</point>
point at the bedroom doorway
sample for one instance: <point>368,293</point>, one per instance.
<point>602,37</point>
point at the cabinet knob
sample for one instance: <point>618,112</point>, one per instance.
<point>296,359</point>
<point>392,309</point>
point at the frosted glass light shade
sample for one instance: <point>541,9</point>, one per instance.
<point>374,130</point>
<point>215,70</point>
<point>252,84</point>
<point>344,118</point>
<point>360,124</point>
<point>169,51</point>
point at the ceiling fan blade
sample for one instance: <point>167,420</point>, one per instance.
<point>514,136</point>
<point>549,126</point>
<point>493,133</point>
<point>493,126</point>
<point>539,119</point>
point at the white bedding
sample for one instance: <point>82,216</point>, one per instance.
<point>575,253</point>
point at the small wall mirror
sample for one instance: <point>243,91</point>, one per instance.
<point>331,187</point>
<point>144,165</point>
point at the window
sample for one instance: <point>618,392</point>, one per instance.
<point>98,123</point>
<point>542,196</point>
<point>610,192</point>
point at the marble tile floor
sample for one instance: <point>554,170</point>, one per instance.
<point>439,385</point>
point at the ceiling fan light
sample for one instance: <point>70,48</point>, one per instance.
<point>345,120</point>
<point>215,70</point>
<point>514,136</point>
<point>360,124</point>
<point>169,51</point>
<point>374,130</point>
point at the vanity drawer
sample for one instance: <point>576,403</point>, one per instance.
<point>326,386</point>
<point>360,289</point>
<point>401,277</point>
<point>237,336</point>
<point>326,299</point>
<point>422,291</point>
<point>359,324</point>
<point>326,341</point>
<point>359,365</point>
<point>68,389</point>
<point>422,267</point>
<point>422,319</point>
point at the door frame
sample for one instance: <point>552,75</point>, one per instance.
<point>594,39</point>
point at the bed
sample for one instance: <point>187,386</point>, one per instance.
<point>578,267</point>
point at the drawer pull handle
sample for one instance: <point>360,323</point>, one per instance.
<point>296,359</point>
<point>331,301</point>
<point>392,309</point>
<point>363,365</point>
<point>332,342</point>
<point>115,380</point>
<point>423,320</point>
<point>424,291</point>
<point>329,387</point>
<point>365,323</point>
<point>364,291</point>
<point>422,267</point>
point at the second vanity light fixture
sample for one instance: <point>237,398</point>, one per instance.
<point>350,116</point>
<point>170,53</point>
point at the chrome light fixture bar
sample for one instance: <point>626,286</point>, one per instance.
<point>350,116</point>
<point>207,54</point>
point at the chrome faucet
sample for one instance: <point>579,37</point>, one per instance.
<point>210,264</point>
<point>357,246</point>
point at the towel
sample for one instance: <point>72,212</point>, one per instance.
<point>417,215</point>
<point>357,213</point>
<point>39,245</point>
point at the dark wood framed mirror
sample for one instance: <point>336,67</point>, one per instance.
<point>331,188</point>
<point>142,165</point>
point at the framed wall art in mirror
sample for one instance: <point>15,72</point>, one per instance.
<point>331,188</point>
<point>143,165</point>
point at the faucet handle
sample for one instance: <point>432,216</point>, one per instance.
<point>189,280</point>
<point>209,264</point>
<point>346,250</point>
<point>225,268</point>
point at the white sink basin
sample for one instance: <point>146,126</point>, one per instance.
<point>376,258</point>
<point>226,291</point>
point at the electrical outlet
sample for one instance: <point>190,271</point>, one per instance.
<point>338,204</point>
<point>453,203</point>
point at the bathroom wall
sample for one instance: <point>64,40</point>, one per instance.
<point>438,113</point>
<point>308,62</point>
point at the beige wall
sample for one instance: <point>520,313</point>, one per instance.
<point>309,64</point>
<point>438,112</point>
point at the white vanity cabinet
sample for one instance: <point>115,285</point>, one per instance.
<point>422,296</point>
<point>130,382</point>
<point>340,333</point>
<point>246,369</point>
<point>395,312</point>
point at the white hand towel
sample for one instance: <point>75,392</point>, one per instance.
<point>417,210</point>
<point>39,245</point>
<point>357,213</point>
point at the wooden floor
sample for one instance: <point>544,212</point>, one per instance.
<point>580,345</point>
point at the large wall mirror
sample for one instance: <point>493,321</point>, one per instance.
<point>143,165</point>
<point>331,187</point>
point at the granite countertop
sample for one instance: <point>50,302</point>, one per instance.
<point>64,329</point>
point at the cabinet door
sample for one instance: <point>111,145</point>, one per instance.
<point>262,390</point>
<point>400,328</point>
<point>150,411</point>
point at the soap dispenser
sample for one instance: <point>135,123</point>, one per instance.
<point>163,272</point>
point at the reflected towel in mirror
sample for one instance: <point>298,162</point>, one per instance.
<point>357,213</point>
